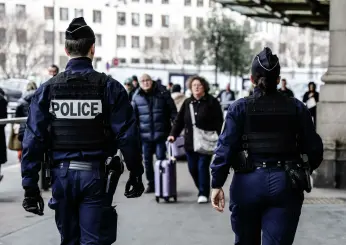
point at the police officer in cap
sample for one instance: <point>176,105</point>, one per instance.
<point>270,142</point>
<point>82,117</point>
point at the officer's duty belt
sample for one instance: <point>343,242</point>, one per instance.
<point>271,164</point>
<point>77,165</point>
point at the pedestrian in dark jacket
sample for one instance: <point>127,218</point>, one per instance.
<point>209,116</point>
<point>311,99</point>
<point>3,114</point>
<point>155,111</point>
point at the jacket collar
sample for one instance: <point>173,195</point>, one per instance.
<point>204,98</point>
<point>81,64</point>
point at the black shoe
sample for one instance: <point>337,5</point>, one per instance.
<point>150,189</point>
<point>1,177</point>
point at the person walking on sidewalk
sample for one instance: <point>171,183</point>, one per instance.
<point>209,116</point>
<point>269,141</point>
<point>155,111</point>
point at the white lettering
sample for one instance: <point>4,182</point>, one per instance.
<point>75,109</point>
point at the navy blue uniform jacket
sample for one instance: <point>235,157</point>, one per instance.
<point>230,140</point>
<point>122,119</point>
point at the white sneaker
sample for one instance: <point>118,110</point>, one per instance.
<point>202,199</point>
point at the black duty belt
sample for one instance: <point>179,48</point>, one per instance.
<point>271,164</point>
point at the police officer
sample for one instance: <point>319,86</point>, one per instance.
<point>263,140</point>
<point>83,117</point>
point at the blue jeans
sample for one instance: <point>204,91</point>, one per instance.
<point>149,149</point>
<point>199,170</point>
<point>263,201</point>
<point>80,205</point>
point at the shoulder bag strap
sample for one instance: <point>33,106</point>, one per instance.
<point>192,113</point>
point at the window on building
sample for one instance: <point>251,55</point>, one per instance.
<point>164,61</point>
<point>135,61</point>
<point>198,44</point>
<point>187,3</point>
<point>135,19</point>
<point>97,16</point>
<point>135,1</point>
<point>135,41</point>
<point>187,44</point>
<point>148,61</point>
<point>165,1</point>
<point>21,61</point>
<point>148,1</point>
<point>121,41</point>
<point>64,14</point>
<point>148,20</point>
<point>2,9</point>
<point>122,60</point>
<point>187,62</point>
<point>301,49</point>
<point>165,20</point>
<point>282,48</point>
<point>200,3</point>
<point>121,18</point>
<point>62,37</point>
<point>199,22</point>
<point>48,37</point>
<point>164,43</point>
<point>187,22</point>
<point>2,59</point>
<point>148,42</point>
<point>78,13</point>
<point>2,35</point>
<point>98,39</point>
<point>48,13</point>
<point>20,9</point>
<point>63,59</point>
<point>21,36</point>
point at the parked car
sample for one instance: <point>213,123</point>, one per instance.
<point>13,88</point>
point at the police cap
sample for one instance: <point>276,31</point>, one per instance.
<point>266,64</point>
<point>78,29</point>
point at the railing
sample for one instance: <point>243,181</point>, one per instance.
<point>13,120</point>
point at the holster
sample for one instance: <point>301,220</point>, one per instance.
<point>299,175</point>
<point>242,163</point>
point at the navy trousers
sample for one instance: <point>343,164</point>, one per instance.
<point>149,149</point>
<point>199,170</point>
<point>263,201</point>
<point>80,203</point>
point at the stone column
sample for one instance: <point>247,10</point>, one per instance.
<point>331,110</point>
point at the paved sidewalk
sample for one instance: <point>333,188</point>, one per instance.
<point>142,221</point>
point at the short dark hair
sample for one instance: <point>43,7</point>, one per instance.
<point>79,47</point>
<point>176,88</point>
<point>202,80</point>
<point>55,67</point>
<point>284,79</point>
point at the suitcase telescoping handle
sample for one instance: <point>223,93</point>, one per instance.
<point>170,151</point>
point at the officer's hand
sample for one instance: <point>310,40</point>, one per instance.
<point>137,187</point>
<point>33,201</point>
<point>218,199</point>
<point>171,139</point>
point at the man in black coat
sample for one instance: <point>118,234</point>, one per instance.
<point>3,114</point>
<point>155,111</point>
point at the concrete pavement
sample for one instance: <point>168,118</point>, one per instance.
<point>142,221</point>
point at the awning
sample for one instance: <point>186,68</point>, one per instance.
<point>302,13</point>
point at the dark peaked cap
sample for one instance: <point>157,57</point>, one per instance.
<point>79,29</point>
<point>266,64</point>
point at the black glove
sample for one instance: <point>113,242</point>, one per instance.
<point>33,202</point>
<point>137,187</point>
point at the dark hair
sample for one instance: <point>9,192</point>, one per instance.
<point>170,84</point>
<point>55,67</point>
<point>284,79</point>
<point>79,47</point>
<point>202,80</point>
<point>134,77</point>
<point>176,88</point>
<point>266,84</point>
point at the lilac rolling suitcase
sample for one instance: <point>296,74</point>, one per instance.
<point>166,178</point>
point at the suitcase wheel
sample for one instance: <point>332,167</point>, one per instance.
<point>157,199</point>
<point>166,199</point>
<point>175,198</point>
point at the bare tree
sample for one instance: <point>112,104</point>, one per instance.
<point>23,48</point>
<point>169,46</point>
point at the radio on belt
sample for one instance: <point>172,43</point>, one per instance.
<point>76,109</point>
